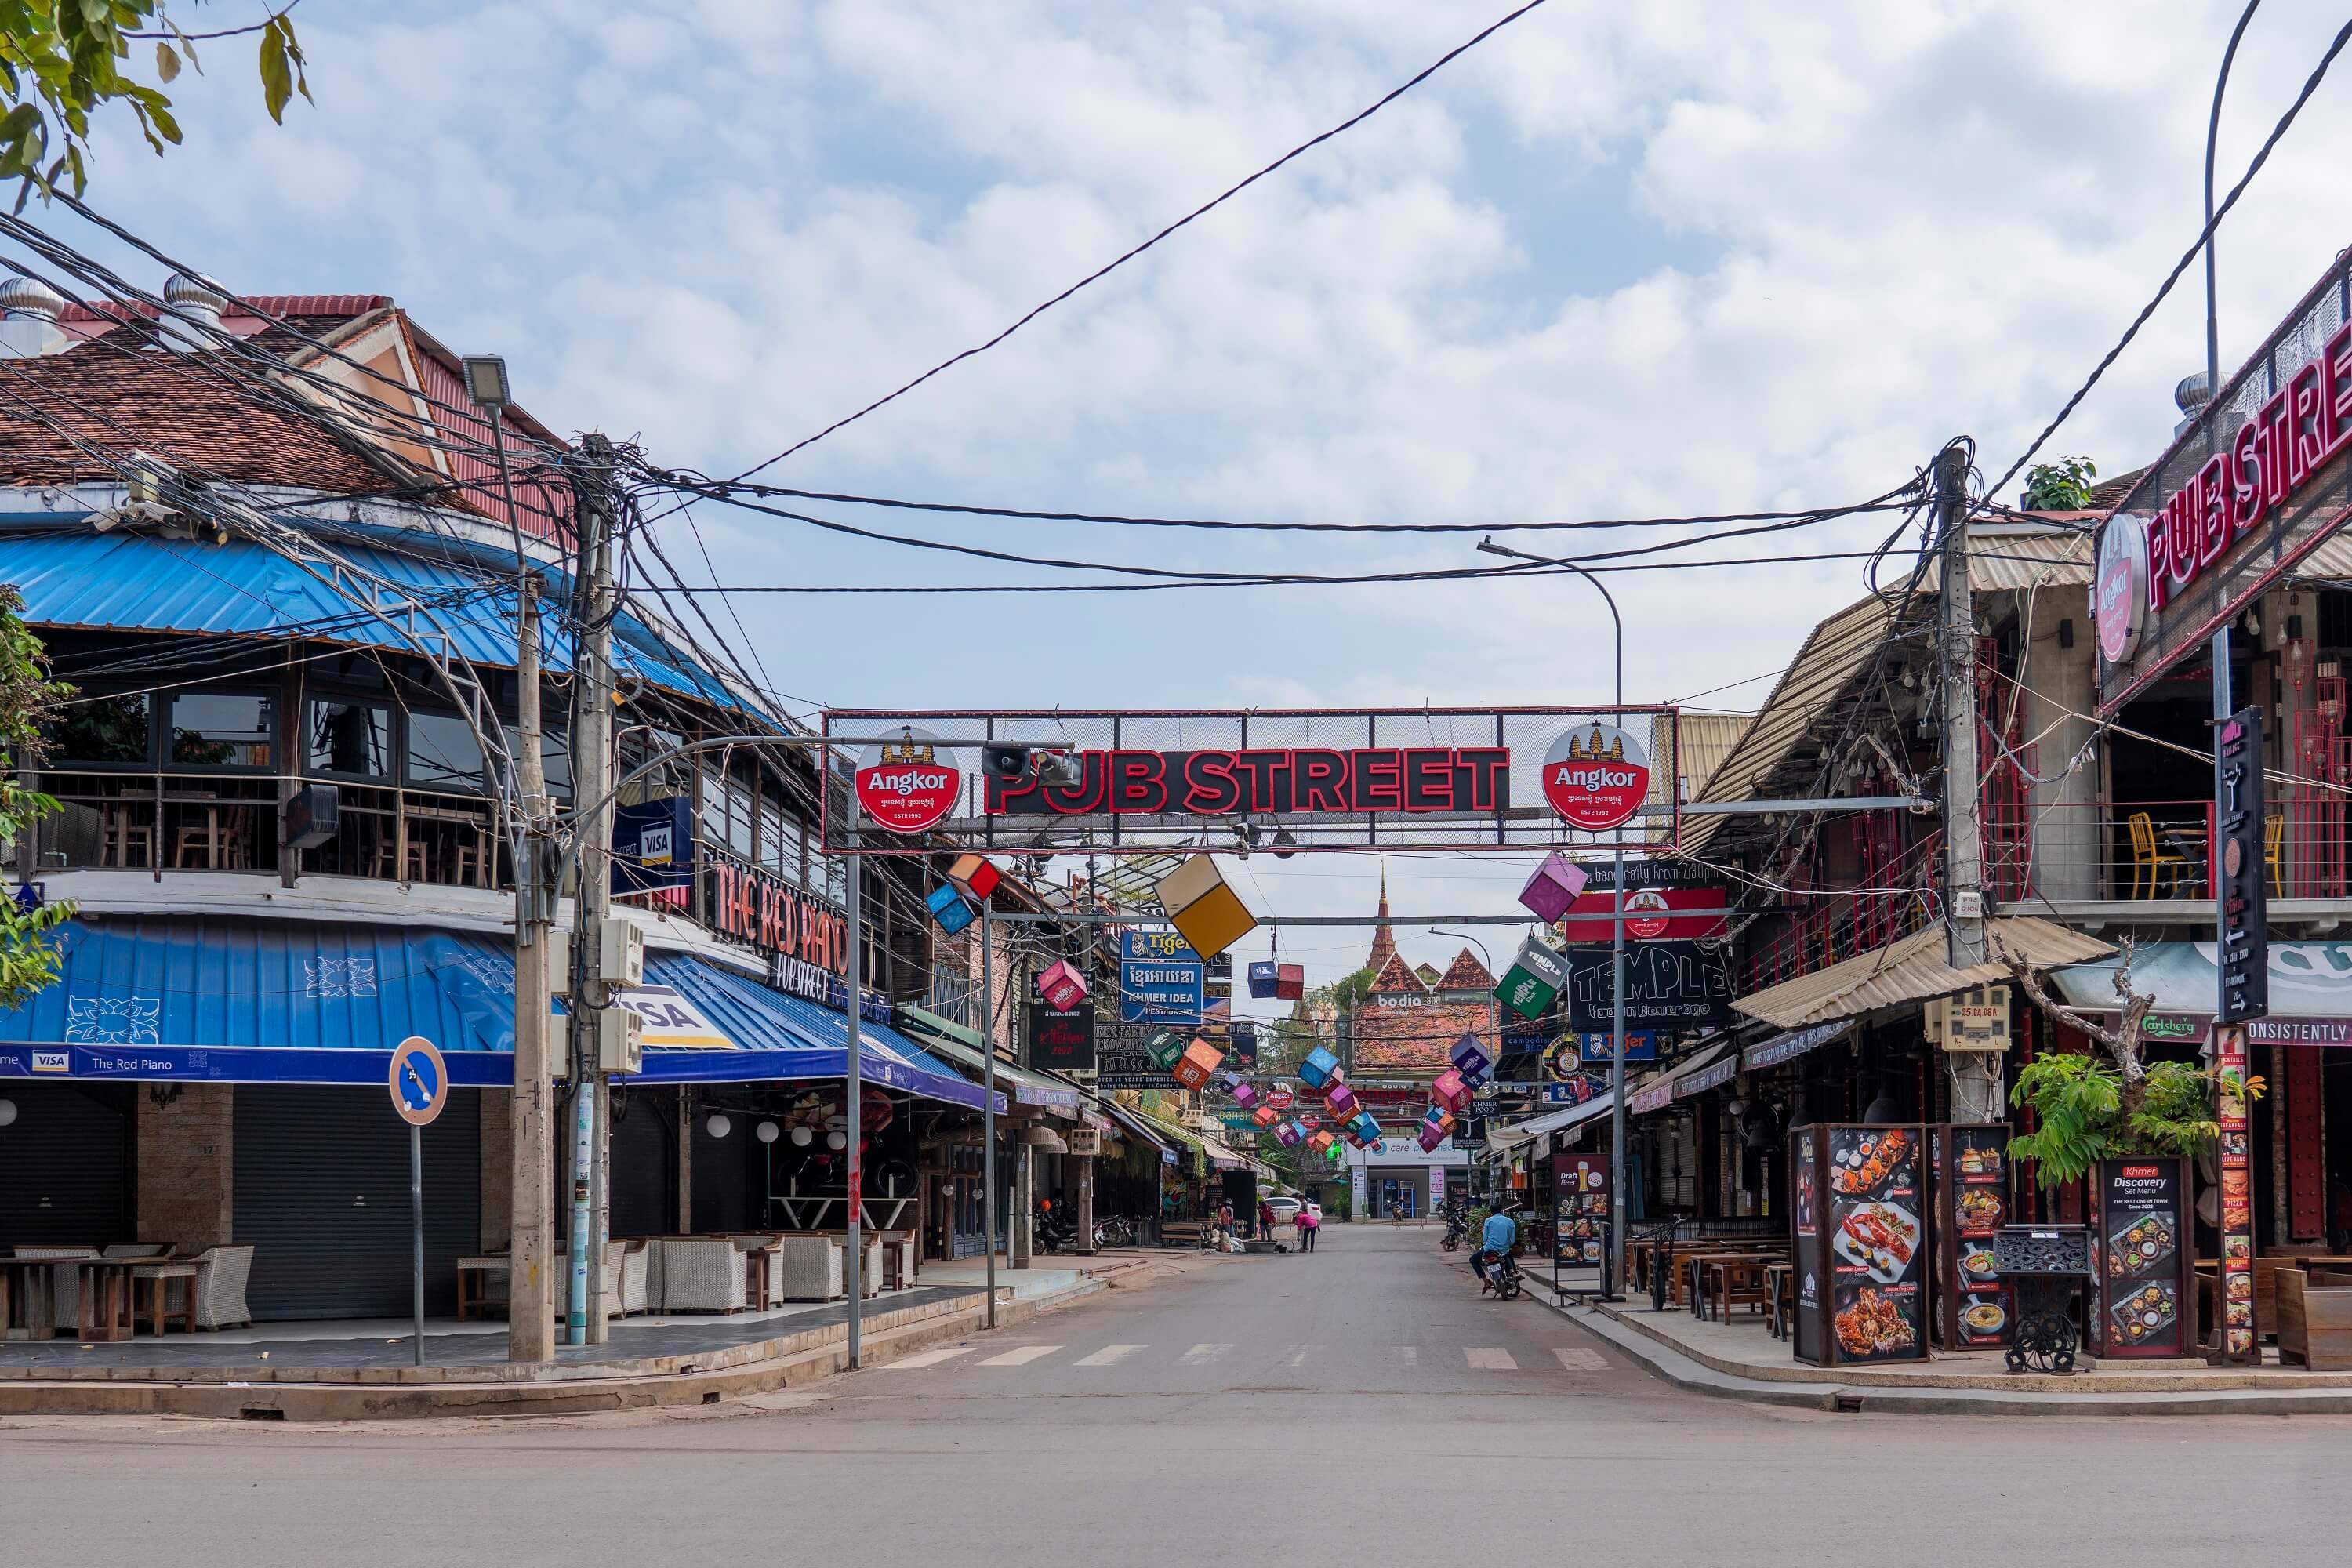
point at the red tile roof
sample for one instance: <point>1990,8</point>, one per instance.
<point>1418,1040</point>
<point>1466,974</point>
<point>169,404</point>
<point>1395,978</point>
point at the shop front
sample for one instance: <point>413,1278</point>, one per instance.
<point>207,1084</point>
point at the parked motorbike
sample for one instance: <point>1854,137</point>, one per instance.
<point>1503,1276</point>
<point>1052,1231</point>
<point>1114,1232</point>
<point>1457,1227</point>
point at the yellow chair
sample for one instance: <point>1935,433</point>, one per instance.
<point>2150,860</point>
<point>2273,842</point>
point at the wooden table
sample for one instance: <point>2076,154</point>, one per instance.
<point>106,1285</point>
<point>157,1274</point>
<point>475,1272</point>
<point>477,821</point>
<point>1729,1273</point>
<point>28,1297</point>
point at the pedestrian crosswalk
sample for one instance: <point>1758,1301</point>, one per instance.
<point>1472,1358</point>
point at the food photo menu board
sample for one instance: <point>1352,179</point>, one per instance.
<point>1972,1165</point>
<point>1581,1237</point>
<point>1860,1243</point>
<point>2144,1291</point>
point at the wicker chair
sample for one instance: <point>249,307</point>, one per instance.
<point>66,1302</point>
<point>221,1274</point>
<point>809,1268</point>
<point>136,1250</point>
<point>616,1282</point>
<point>637,1258</point>
<point>699,1275</point>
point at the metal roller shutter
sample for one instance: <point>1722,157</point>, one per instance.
<point>323,1194</point>
<point>644,1172</point>
<point>65,1165</point>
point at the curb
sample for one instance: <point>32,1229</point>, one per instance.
<point>1683,1371</point>
<point>786,1362</point>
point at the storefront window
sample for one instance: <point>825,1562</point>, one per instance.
<point>113,732</point>
<point>344,736</point>
<point>222,728</point>
<point>443,753</point>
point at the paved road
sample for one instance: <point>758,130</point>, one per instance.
<point>1360,1405</point>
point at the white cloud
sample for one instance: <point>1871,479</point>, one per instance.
<point>722,226</point>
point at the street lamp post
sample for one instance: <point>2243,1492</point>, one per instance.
<point>2223,702</point>
<point>1615,1273</point>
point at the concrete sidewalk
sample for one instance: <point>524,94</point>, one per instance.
<point>260,1376</point>
<point>1741,1360</point>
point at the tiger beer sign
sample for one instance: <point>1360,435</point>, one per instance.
<point>909,783</point>
<point>1596,777</point>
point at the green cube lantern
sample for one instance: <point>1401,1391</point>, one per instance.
<point>1536,976</point>
<point>1165,1049</point>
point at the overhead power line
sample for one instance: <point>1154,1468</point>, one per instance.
<point>2204,237</point>
<point>1124,258</point>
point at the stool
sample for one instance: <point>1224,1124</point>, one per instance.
<point>157,1278</point>
<point>123,833</point>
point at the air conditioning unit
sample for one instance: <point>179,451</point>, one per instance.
<point>621,953</point>
<point>620,1040</point>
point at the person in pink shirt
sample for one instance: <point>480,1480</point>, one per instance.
<point>1304,1225</point>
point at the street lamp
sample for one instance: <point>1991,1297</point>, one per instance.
<point>1484,957</point>
<point>1612,1277</point>
<point>2223,702</point>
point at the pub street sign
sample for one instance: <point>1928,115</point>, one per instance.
<point>2241,899</point>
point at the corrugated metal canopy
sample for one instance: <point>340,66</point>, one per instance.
<point>1913,970</point>
<point>74,577</point>
<point>1518,1133</point>
<point>1833,656</point>
<point>1703,740</point>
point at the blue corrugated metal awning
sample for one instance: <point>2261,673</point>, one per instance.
<point>229,1000</point>
<point>130,581</point>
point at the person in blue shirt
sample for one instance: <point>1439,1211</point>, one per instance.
<point>1497,1238</point>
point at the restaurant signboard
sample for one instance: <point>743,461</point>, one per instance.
<point>1582,1214</point>
<point>1669,986</point>
<point>1675,899</point>
<point>1063,1042</point>
<point>805,938</point>
<point>2142,1300</point>
<point>2240,1333</point>
<point>2250,488</point>
<point>1974,1308</point>
<point>1862,1265</point>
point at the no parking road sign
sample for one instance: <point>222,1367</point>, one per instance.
<point>420,1082</point>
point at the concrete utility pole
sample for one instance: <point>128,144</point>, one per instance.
<point>530,1301</point>
<point>586,1320</point>
<point>852,1273</point>
<point>1956,647</point>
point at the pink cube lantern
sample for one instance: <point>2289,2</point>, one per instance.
<point>1062,986</point>
<point>1243,1095</point>
<point>1448,1090</point>
<point>1266,1116</point>
<point>1340,1102</point>
<point>1291,1133</point>
<point>1556,884</point>
<point>1429,1140</point>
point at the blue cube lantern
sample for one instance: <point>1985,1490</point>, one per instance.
<point>1320,1069</point>
<point>1367,1127</point>
<point>947,908</point>
<point>1264,979</point>
<point>1471,1060</point>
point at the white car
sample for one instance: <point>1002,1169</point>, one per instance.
<point>1286,1210</point>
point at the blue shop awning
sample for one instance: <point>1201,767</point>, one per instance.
<point>183,997</point>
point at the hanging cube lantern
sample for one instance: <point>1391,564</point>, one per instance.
<point>974,876</point>
<point>1290,981</point>
<point>1243,1095</point>
<point>1062,986</point>
<point>1163,1049</point>
<point>1291,1134</point>
<point>1367,1127</point>
<point>1206,912</point>
<point>1558,883</point>
<point>1320,1140</point>
<point>1437,1116</point>
<point>1448,1090</point>
<point>1429,1140</point>
<point>1340,1101</point>
<point>1471,1060</point>
<point>947,908</point>
<point>1266,1116</point>
<point>1537,975</point>
<point>1198,1060</point>
<point>1333,1153</point>
<point>1262,979</point>
<point>1320,1069</point>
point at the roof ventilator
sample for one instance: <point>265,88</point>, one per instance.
<point>28,319</point>
<point>198,304</point>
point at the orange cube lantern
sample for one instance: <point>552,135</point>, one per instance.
<point>1198,1060</point>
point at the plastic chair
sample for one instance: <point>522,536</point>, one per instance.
<point>2160,867</point>
<point>2273,843</point>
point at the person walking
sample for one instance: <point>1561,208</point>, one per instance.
<point>1225,1218</point>
<point>1265,1220</point>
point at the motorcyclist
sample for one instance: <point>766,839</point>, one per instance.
<point>1497,1238</point>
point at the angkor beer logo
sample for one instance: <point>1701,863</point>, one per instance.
<point>909,783</point>
<point>1647,913</point>
<point>1595,776</point>
<point>2121,586</point>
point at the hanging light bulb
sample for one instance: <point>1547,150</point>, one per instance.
<point>837,1140</point>
<point>803,1137</point>
<point>718,1125</point>
<point>766,1132</point>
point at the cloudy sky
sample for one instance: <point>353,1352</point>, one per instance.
<point>1677,258</point>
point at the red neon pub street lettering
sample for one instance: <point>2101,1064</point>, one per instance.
<point>2289,438</point>
<point>1300,780</point>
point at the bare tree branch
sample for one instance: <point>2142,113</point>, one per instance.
<point>2123,1043</point>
